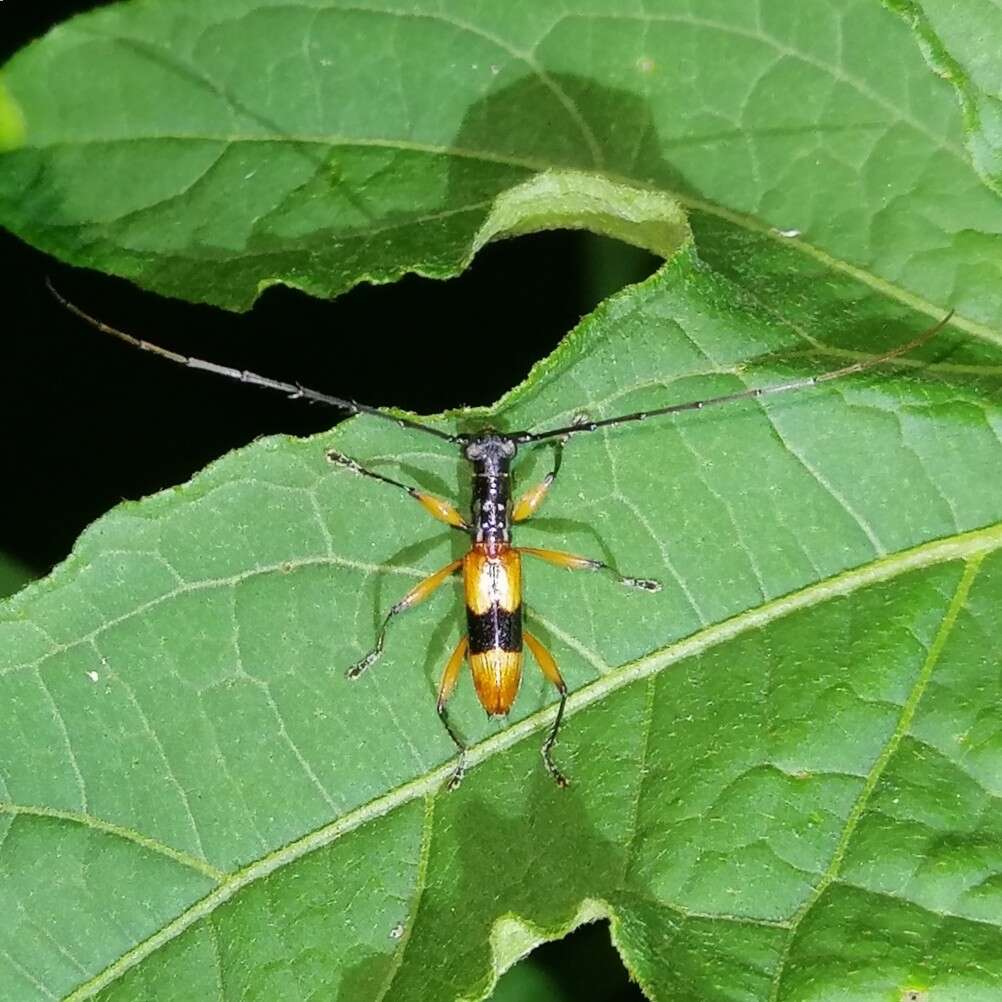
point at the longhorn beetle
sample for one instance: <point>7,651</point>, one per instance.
<point>492,567</point>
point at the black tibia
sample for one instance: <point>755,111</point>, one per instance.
<point>551,740</point>
<point>355,466</point>
<point>580,420</point>
<point>445,689</point>
<point>444,511</point>
<point>359,666</point>
<point>549,668</point>
<point>644,584</point>
<point>457,774</point>
<point>415,596</point>
<point>529,503</point>
<point>558,458</point>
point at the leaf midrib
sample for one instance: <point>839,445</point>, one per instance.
<point>970,547</point>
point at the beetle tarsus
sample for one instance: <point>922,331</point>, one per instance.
<point>457,774</point>
<point>333,456</point>
<point>551,767</point>
<point>359,666</point>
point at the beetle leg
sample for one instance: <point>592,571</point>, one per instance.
<point>444,511</point>
<point>549,667</point>
<point>526,506</point>
<point>529,502</point>
<point>445,688</point>
<point>575,563</point>
<point>416,595</point>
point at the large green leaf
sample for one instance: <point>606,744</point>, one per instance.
<point>226,146</point>
<point>786,765</point>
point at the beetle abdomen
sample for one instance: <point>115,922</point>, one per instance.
<point>497,675</point>
<point>493,589</point>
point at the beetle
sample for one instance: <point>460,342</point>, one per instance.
<point>494,641</point>
<point>492,582</point>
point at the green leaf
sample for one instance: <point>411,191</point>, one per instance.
<point>962,42</point>
<point>228,146</point>
<point>785,764</point>
<point>11,122</point>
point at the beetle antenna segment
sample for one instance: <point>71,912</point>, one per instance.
<point>294,390</point>
<point>524,437</point>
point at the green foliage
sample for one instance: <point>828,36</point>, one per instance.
<point>13,575</point>
<point>11,122</point>
<point>962,42</point>
<point>786,765</point>
<point>230,145</point>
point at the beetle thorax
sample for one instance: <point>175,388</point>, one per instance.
<point>491,455</point>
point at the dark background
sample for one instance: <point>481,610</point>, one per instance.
<point>90,422</point>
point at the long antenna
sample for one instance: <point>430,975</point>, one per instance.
<point>523,437</point>
<point>294,390</point>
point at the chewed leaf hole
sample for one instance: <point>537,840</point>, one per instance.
<point>582,967</point>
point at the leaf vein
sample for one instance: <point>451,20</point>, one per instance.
<point>119,831</point>
<point>957,604</point>
<point>968,546</point>
<point>281,567</point>
<point>645,744</point>
<point>420,884</point>
<point>741,219</point>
